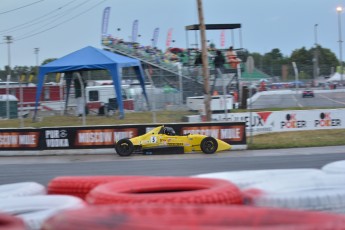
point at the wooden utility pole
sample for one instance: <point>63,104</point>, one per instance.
<point>205,71</point>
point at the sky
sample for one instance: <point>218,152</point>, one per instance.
<point>58,28</point>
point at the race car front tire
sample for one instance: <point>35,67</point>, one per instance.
<point>209,145</point>
<point>124,147</point>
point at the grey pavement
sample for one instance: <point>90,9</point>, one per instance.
<point>111,151</point>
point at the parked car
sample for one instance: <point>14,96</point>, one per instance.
<point>307,93</point>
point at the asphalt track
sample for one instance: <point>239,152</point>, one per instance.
<point>44,167</point>
<point>330,99</point>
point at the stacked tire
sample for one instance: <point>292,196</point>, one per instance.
<point>28,205</point>
<point>252,199</point>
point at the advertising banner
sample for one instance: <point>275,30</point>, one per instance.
<point>90,137</point>
<point>155,37</point>
<point>105,20</point>
<point>233,133</point>
<point>222,38</point>
<point>169,37</point>
<point>20,139</point>
<point>86,137</point>
<point>293,120</point>
<point>107,136</point>
<point>135,31</point>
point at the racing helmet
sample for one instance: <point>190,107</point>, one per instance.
<point>169,131</point>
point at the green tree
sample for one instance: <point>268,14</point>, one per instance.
<point>326,59</point>
<point>304,60</point>
<point>272,62</point>
<point>257,59</point>
<point>48,60</point>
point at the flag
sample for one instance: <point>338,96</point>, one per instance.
<point>168,41</point>
<point>57,77</point>
<point>222,38</point>
<point>135,31</point>
<point>31,77</point>
<point>105,20</point>
<point>22,77</point>
<point>155,37</point>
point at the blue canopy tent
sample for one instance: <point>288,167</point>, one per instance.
<point>90,58</point>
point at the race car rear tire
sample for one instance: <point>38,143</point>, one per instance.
<point>209,145</point>
<point>124,147</point>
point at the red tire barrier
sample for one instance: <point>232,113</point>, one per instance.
<point>8,222</point>
<point>81,185</point>
<point>167,190</point>
<point>196,217</point>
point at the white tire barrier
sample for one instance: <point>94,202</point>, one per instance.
<point>334,167</point>
<point>34,210</point>
<point>22,189</point>
<point>247,178</point>
<point>318,192</point>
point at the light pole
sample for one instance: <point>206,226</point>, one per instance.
<point>315,33</point>
<point>9,40</point>
<point>315,61</point>
<point>36,51</point>
<point>202,28</point>
<point>339,10</point>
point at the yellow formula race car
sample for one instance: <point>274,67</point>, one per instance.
<point>163,139</point>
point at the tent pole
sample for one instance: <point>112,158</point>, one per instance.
<point>61,93</point>
<point>153,98</point>
<point>82,96</point>
<point>68,78</point>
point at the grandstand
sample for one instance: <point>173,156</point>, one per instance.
<point>176,67</point>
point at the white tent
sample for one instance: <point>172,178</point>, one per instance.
<point>336,77</point>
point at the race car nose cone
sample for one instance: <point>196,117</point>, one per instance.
<point>223,146</point>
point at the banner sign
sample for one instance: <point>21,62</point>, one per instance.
<point>233,133</point>
<point>135,31</point>
<point>105,20</point>
<point>155,37</point>
<point>20,139</point>
<point>222,38</point>
<point>85,137</point>
<point>293,120</point>
<point>90,137</point>
<point>169,36</point>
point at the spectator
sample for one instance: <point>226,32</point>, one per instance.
<point>198,59</point>
<point>219,60</point>
<point>232,57</point>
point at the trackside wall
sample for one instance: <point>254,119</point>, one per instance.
<point>89,137</point>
